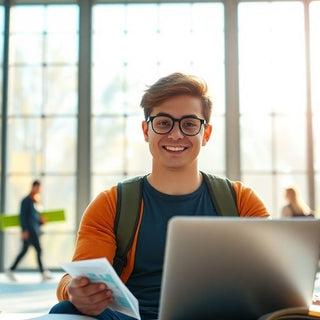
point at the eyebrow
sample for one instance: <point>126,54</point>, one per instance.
<point>167,114</point>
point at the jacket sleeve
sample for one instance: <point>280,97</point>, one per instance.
<point>25,214</point>
<point>95,237</point>
<point>248,202</point>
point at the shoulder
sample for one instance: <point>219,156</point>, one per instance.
<point>102,208</point>
<point>248,201</point>
<point>26,204</point>
<point>26,200</point>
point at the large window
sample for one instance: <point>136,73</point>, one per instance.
<point>273,98</point>
<point>42,120</point>
<point>134,45</point>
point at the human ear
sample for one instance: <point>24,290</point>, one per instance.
<point>145,130</point>
<point>207,134</point>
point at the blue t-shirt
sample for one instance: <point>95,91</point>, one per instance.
<point>145,280</point>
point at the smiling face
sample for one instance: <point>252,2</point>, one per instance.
<point>176,151</point>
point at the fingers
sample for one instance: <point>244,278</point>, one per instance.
<point>89,298</point>
<point>78,282</point>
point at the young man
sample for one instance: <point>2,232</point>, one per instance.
<point>30,221</point>
<point>177,113</point>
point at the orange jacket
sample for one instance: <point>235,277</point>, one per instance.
<point>96,238</point>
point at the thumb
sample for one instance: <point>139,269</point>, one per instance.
<point>79,282</point>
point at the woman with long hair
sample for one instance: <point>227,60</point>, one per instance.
<point>295,207</point>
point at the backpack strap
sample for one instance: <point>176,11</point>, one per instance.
<point>126,219</point>
<point>129,206</point>
<point>222,194</point>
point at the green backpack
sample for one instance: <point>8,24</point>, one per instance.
<point>129,205</point>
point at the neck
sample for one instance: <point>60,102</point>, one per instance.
<point>34,196</point>
<point>175,181</point>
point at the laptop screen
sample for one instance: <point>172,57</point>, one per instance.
<point>237,268</point>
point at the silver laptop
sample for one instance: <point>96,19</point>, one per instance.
<point>231,268</point>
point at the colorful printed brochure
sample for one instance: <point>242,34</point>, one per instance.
<point>100,270</point>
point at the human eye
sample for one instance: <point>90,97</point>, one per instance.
<point>190,123</point>
<point>163,122</point>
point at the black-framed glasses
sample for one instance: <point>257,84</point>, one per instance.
<point>163,124</point>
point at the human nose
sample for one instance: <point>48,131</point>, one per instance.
<point>176,133</point>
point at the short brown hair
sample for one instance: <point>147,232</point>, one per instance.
<point>174,85</point>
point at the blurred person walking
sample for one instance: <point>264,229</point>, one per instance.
<point>31,222</point>
<point>295,206</point>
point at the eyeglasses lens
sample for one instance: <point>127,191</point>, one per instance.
<point>188,126</point>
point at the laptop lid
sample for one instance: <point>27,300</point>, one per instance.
<point>231,268</point>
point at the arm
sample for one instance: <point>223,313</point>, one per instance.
<point>25,217</point>
<point>248,202</point>
<point>25,214</point>
<point>287,212</point>
<point>96,237</point>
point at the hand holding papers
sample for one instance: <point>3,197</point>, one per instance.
<point>100,270</point>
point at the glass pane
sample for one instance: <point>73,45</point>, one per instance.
<point>27,19</point>
<point>211,159</point>
<point>108,145</point>
<point>169,32</point>
<point>62,48</point>
<point>256,134</point>
<point>67,17</point>
<point>170,14</point>
<point>315,54</point>
<point>63,188</point>
<point>1,20</point>
<point>138,157</point>
<point>26,48</point>
<point>271,57</point>
<point>134,88</point>
<point>60,154</point>
<point>61,86</point>
<point>103,182</point>
<point>110,18</point>
<point>24,146</point>
<point>262,184</point>
<point>290,151</point>
<point>108,96</point>
<point>57,248</point>
<point>137,16</point>
<point>25,91</point>
<point>17,187</point>
<point>108,34</point>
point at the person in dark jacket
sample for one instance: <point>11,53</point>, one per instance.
<point>30,221</point>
